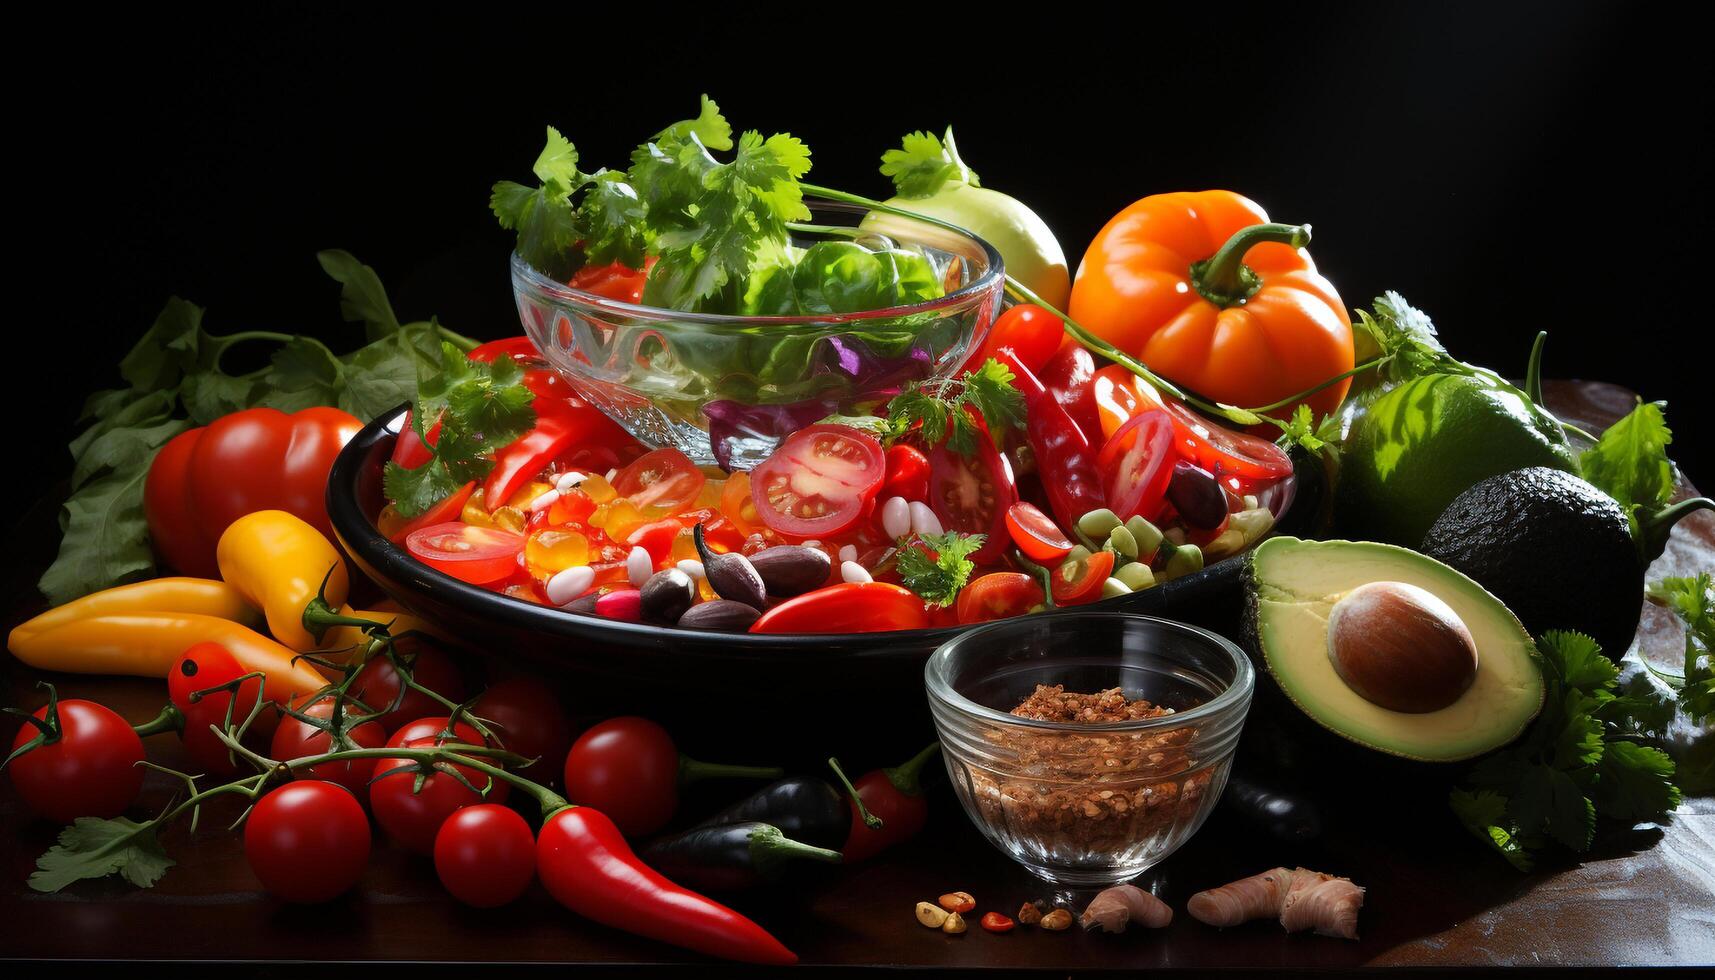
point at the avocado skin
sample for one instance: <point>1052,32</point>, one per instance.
<point>1555,549</point>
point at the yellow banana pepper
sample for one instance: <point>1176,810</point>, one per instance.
<point>204,596</point>
<point>148,644</point>
<point>291,570</point>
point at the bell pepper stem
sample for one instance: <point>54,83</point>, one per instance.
<point>320,615</point>
<point>908,778</point>
<point>695,771</point>
<point>171,719</point>
<point>1224,279</point>
<point>870,820</point>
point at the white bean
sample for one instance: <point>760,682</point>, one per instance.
<point>693,568</point>
<point>896,517</point>
<point>848,552</point>
<point>565,586</point>
<point>923,520</point>
<point>545,500</point>
<point>567,481</point>
<point>639,566</point>
<point>851,571</point>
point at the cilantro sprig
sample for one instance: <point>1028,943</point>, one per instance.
<point>1629,463</point>
<point>923,164</point>
<point>481,408</point>
<point>1692,599</point>
<point>937,566</point>
<point>938,409</point>
<point>1582,759</point>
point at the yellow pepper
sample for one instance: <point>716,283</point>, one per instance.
<point>291,570</point>
<point>204,596</point>
<point>148,644</point>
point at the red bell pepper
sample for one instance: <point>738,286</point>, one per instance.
<point>1065,457</point>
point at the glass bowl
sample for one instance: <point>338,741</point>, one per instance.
<point>725,389</point>
<point>1087,806</point>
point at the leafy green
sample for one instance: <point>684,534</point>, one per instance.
<point>95,848</point>
<point>940,407</point>
<point>1406,338</point>
<point>1301,430</point>
<point>481,406</point>
<point>1693,601</point>
<point>923,163</point>
<point>937,566</point>
<point>1578,762</point>
<point>175,380</point>
<point>1629,463</point>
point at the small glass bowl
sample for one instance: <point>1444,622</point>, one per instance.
<point>726,389</point>
<point>1086,806</point>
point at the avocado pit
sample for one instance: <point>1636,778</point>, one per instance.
<point>1400,647</point>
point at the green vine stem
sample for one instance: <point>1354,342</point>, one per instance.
<point>870,820</point>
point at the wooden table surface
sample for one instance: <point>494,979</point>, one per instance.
<point>1435,898</point>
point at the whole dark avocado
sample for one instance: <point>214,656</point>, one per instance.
<point>1555,549</point>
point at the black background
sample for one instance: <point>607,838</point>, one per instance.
<point>1506,167</point>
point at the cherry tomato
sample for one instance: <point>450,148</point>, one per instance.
<point>295,739</point>
<point>198,669</point>
<point>1033,333</point>
<point>447,511</point>
<point>518,348</point>
<point>1138,462</point>
<point>1075,583</point>
<point>90,770</point>
<point>485,855</point>
<point>907,473</point>
<point>971,494</point>
<point>1036,534</point>
<point>614,280</point>
<point>1120,394</point>
<point>1069,377</point>
<point>998,595</point>
<point>1221,450</point>
<point>849,607</point>
<point>378,683</point>
<point>628,768</point>
<point>528,719</point>
<point>307,841</point>
<point>413,814</point>
<point>817,482</point>
<point>477,555</point>
<point>664,478</point>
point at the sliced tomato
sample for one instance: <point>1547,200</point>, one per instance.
<point>971,494</point>
<point>1138,464</point>
<point>448,509</point>
<point>1221,450</point>
<point>478,555</point>
<point>664,478</point>
<point>817,482</point>
<point>907,472</point>
<point>850,607</point>
<point>1119,394</point>
<point>998,595</point>
<point>1036,534</point>
<point>1075,583</point>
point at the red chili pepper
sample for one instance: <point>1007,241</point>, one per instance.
<point>561,423</point>
<point>895,798</point>
<point>1065,458</point>
<point>410,450</point>
<point>1070,376</point>
<point>587,866</point>
<point>849,607</point>
<point>907,473</point>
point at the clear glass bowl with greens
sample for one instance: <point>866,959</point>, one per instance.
<point>726,388</point>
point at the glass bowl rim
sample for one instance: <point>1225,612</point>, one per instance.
<point>540,283</point>
<point>1238,691</point>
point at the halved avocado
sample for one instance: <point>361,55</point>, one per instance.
<point>1295,585</point>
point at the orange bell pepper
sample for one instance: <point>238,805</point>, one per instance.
<point>1210,295</point>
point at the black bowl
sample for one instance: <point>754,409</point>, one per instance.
<point>660,658</point>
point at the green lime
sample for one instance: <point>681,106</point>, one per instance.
<point>1425,442</point>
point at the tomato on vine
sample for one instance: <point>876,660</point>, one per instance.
<point>307,841</point>
<point>485,855</point>
<point>412,812</point>
<point>75,758</point>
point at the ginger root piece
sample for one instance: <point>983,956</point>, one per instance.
<point>1302,899</point>
<point>1112,909</point>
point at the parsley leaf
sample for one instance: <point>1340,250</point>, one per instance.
<point>1629,462</point>
<point>1693,601</point>
<point>95,848</point>
<point>938,408</point>
<point>938,579</point>
<point>362,298</point>
<point>1406,337</point>
<point>1484,813</point>
<point>923,163</point>
<point>482,407</point>
<point>1301,430</point>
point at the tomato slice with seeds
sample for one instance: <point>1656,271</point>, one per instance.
<point>818,481</point>
<point>1075,583</point>
<point>998,595</point>
<point>1138,462</point>
<point>449,509</point>
<point>663,478</point>
<point>1035,533</point>
<point>478,555</point>
<point>970,494</point>
<point>1221,450</point>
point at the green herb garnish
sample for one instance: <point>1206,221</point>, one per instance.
<point>481,408</point>
<point>938,579</point>
<point>923,163</point>
<point>1693,601</point>
<point>939,407</point>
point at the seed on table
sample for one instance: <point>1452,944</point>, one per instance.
<point>995,922</point>
<point>1057,920</point>
<point>958,901</point>
<point>1030,913</point>
<point>923,520</point>
<point>933,916</point>
<point>955,924</point>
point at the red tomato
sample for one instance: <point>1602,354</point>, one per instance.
<point>199,669</point>
<point>1036,534</point>
<point>1075,583</point>
<point>1033,333</point>
<point>628,768</point>
<point>665,478</point>
<point>614,280</point>
<point>817,482</point>
<point>257,459</point>
<point>1069,376</point>
<point>295,739</point>
<point>850,607</point>
<point>517,348</point>
<point>91,770</point>
<point>1221,450</point>
<point>1138,462</point>
<point>485,855</point>
<point>907,473</point>
<point>477,555</point>
<point>998,595</point>
<point>380,688</point>
<point>446,511</point>
<point>307,841</point>
<point>528,719</point>
<point>971,494</point>
<point>413,814</point>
